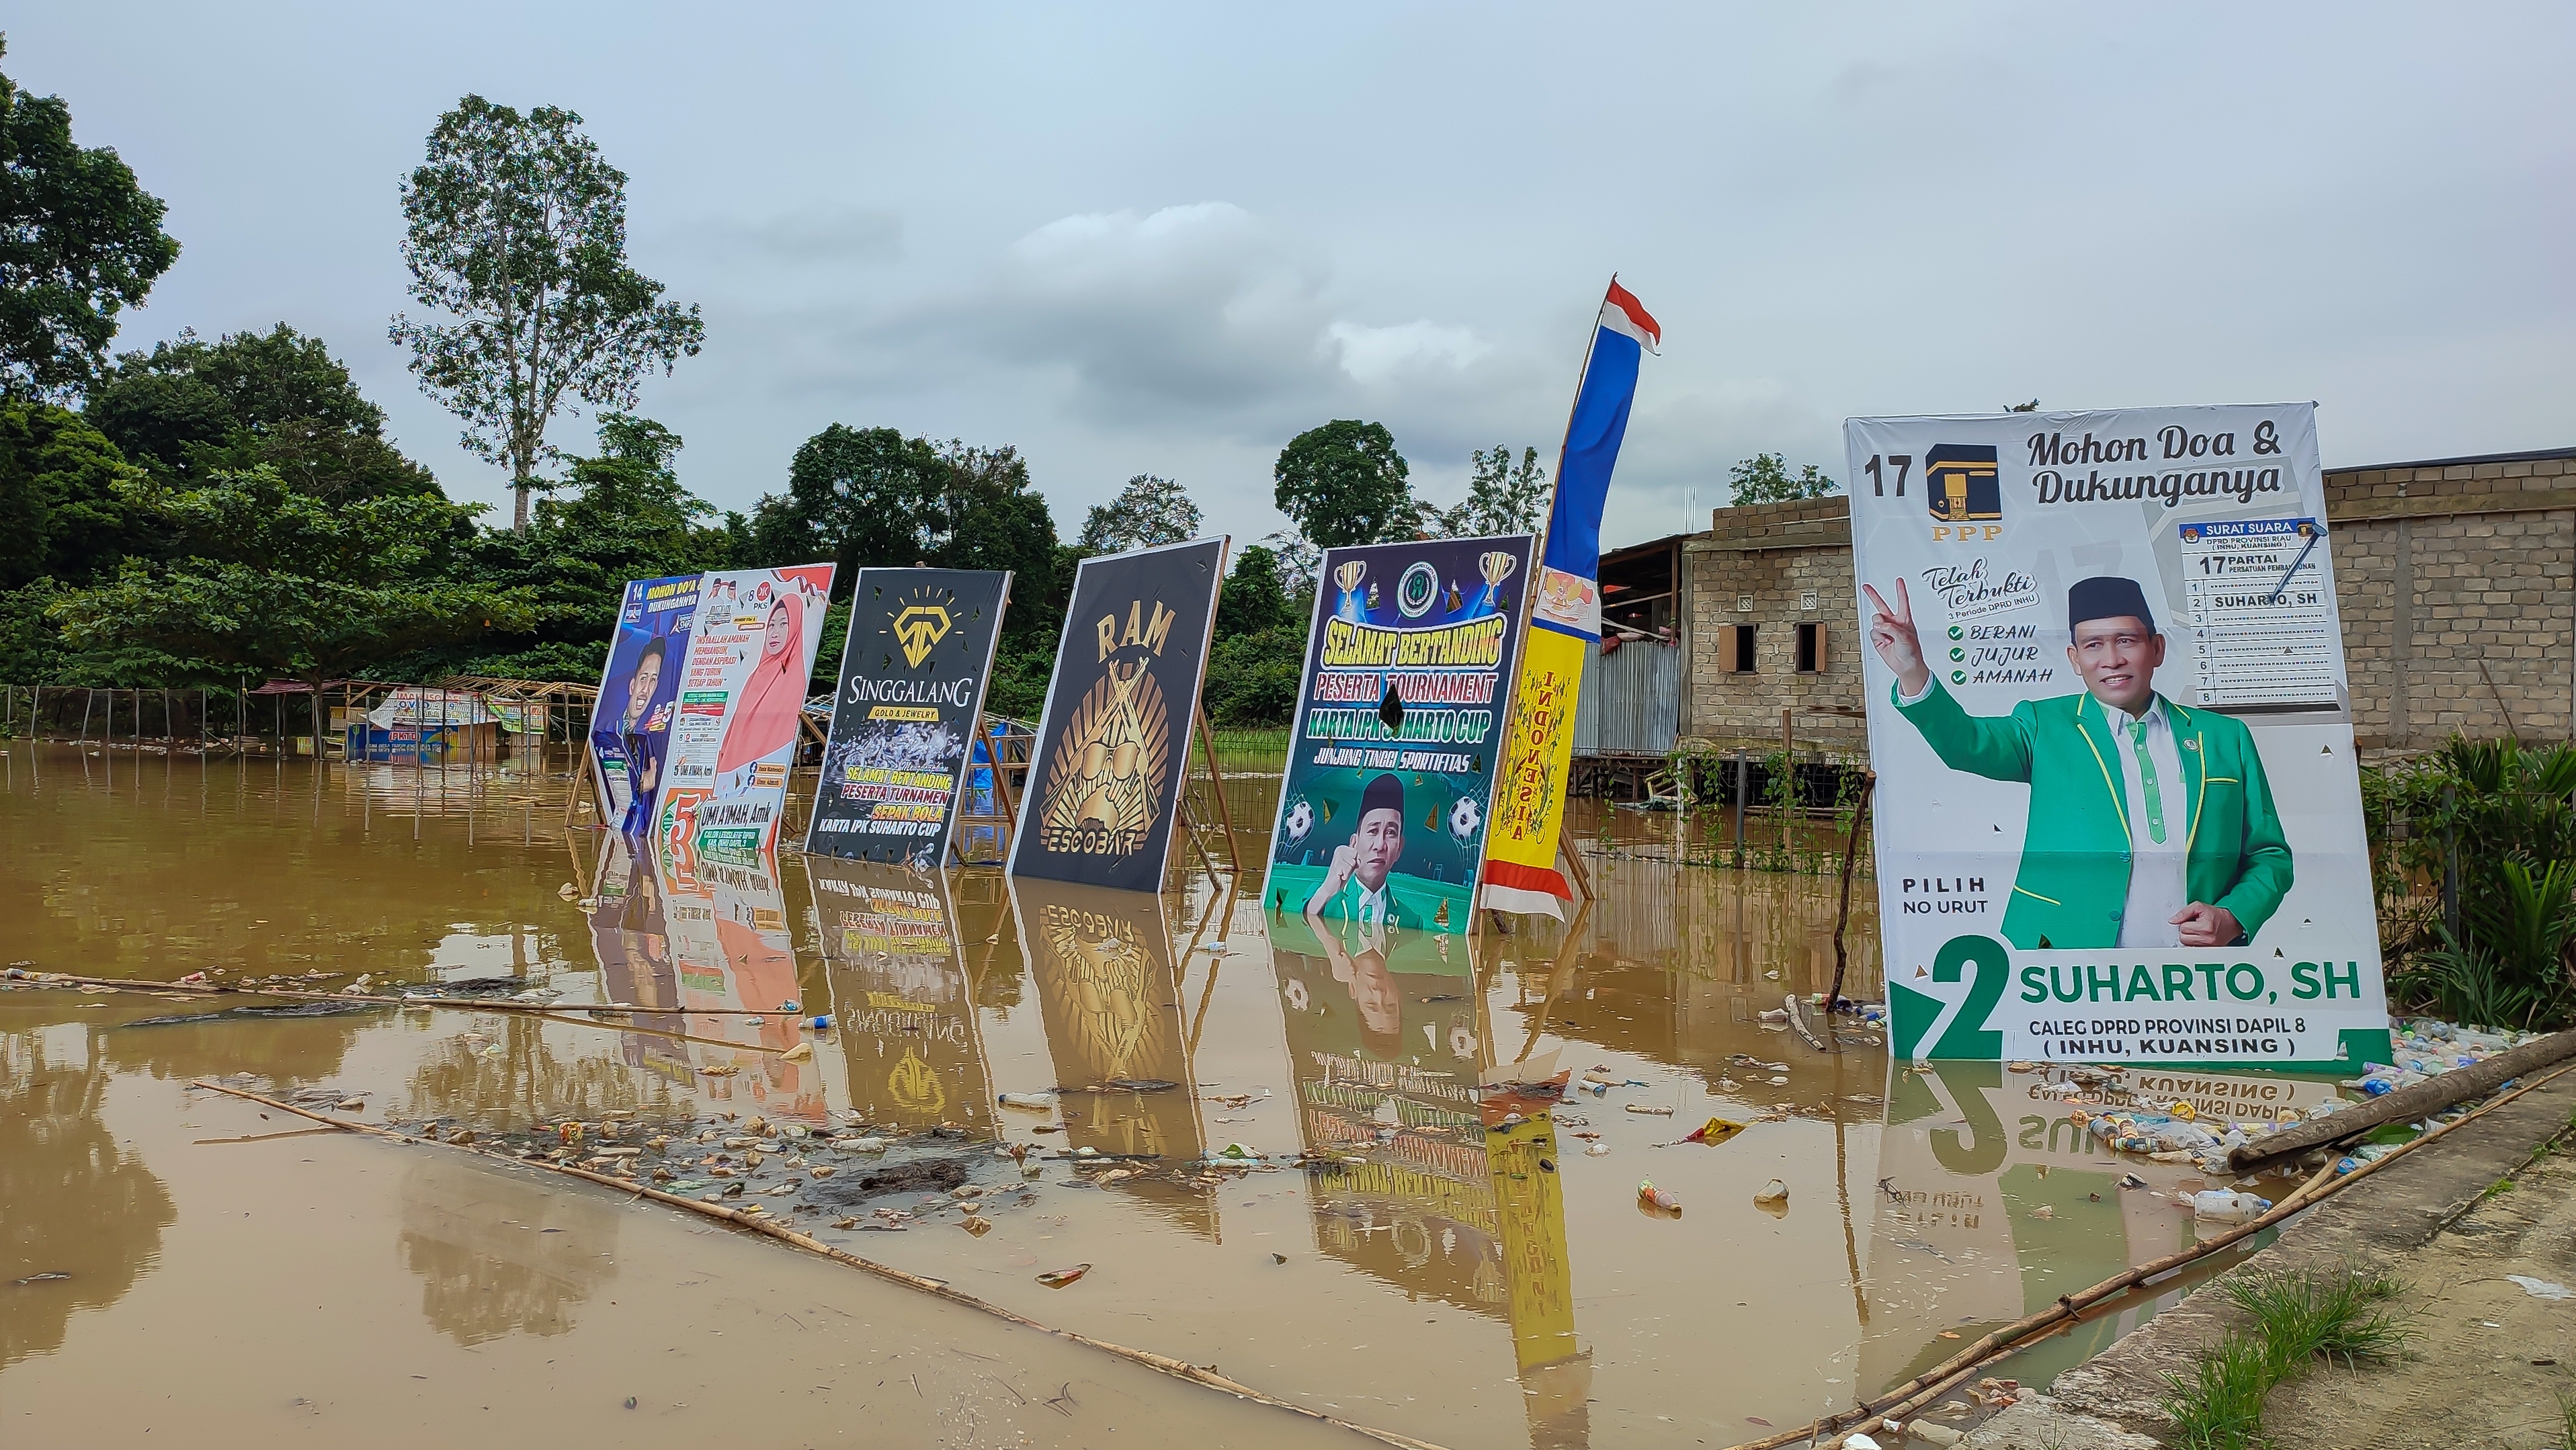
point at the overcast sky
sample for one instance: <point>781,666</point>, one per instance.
<point>1130,239</point>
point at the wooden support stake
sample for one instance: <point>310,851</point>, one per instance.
<point>1216,783</point>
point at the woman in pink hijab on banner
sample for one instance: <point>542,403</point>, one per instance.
<point>764,719</point>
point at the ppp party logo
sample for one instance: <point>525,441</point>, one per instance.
<point>1963,490</point>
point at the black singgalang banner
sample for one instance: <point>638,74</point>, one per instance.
<point>1113,747</point>
<point>903,722</point>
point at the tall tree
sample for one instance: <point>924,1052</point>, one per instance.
<point>1149,511</point>
<point>1344,483</point>
<point>190,407</point>
<point>623,514</point>
<point>266,580</point>
<point>856,496</point>
<point>80,241</point>
<point>516,227</point>
<point>1765,478</point>
<point>1502,498</point>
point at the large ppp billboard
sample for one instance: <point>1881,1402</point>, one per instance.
<point>2118,813</point>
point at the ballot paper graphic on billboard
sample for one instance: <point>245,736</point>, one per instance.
<point>2118,813</point>
<point>1113,745</point>
<point>913,673</point>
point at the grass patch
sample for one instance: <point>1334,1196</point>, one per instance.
<point>2298,1316</point>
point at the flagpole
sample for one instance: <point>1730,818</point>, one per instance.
<point>1529,595</point>
<point>1557,481</point>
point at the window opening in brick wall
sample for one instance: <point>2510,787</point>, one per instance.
<point>1739,652</point>
<point>1811,649</point>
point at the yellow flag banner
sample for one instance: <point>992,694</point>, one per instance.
<point>1529,799</point>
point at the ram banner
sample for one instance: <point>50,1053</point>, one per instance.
<point>1409,668</point>
<point>1113,746</point>
<point>2118,814</point>
<point>751,653</point>
<point>913,673</point>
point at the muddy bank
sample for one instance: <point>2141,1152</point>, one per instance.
<point>2432,1221</point>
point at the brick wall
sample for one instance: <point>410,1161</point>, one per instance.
<point>1771,557</point>
<point>2458,588</point>
<point>2456,580</point>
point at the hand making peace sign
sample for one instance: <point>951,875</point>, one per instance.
<point>1891,633</point>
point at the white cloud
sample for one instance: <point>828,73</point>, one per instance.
<point>1373,355</point>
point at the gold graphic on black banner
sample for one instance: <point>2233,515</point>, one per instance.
<point>917,627</point>
<point>1109,767</point>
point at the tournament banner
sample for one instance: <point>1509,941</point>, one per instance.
<point>1113,744</point>
<point>1398,726</point>
<point>630,729</point>
<point>2118,812</point>
<point>750,656</point>
<point>1565,619</point>
<point>913,672</point>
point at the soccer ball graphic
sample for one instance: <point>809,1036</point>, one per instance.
<point>1299,820</point>
<point>1464,817</point>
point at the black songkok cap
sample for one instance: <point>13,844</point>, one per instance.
<point>2107,597</point>
<point>1385,793</point>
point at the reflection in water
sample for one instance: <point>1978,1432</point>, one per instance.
<point>286,1045</point>
<point>1110,998</point>
<point>1529,1192</point>
<point>1993,1203</point>
<point>501,1073</point>
<point>1384,1051</point>
<point>899,995</point>
<point>677,942</point>
<point>71,1201</point>
<point>497,1255</point>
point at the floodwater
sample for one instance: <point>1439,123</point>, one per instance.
<point>173,1261</point>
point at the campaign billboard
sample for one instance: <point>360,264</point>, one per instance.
<point>2118,814</point>
<point>1390,776</point>
<point>1113,744</point>
<point>639,689</point>
<point>733,740</point>
<point>919,654</point>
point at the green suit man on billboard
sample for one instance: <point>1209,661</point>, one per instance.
<point>2151,825</point>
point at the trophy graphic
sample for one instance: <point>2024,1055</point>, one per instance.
<point>1496,566</point>
<point>1347,578</point>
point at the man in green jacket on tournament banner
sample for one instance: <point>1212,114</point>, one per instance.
<point>2150,825</point>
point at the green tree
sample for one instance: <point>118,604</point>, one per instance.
<point>265,580</point>
<point>1502,498</point>
<point>191,407</point>
<point>80,241</point>
<point>516,227</point>
<point>1343,483</point>
<point>66,509</point>
<point>1260,646</point>
<point>1765,478</point>
<point>623,515</point>
<point>1149,511</point>
<point>1254,601</point>
<point>858,497</point>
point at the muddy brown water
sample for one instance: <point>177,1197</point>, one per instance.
<point>195,1265</point>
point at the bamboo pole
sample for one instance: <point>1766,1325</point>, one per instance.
<point>761,1223</point>
<point>1842,915</point>
<point>2407,1104</point>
